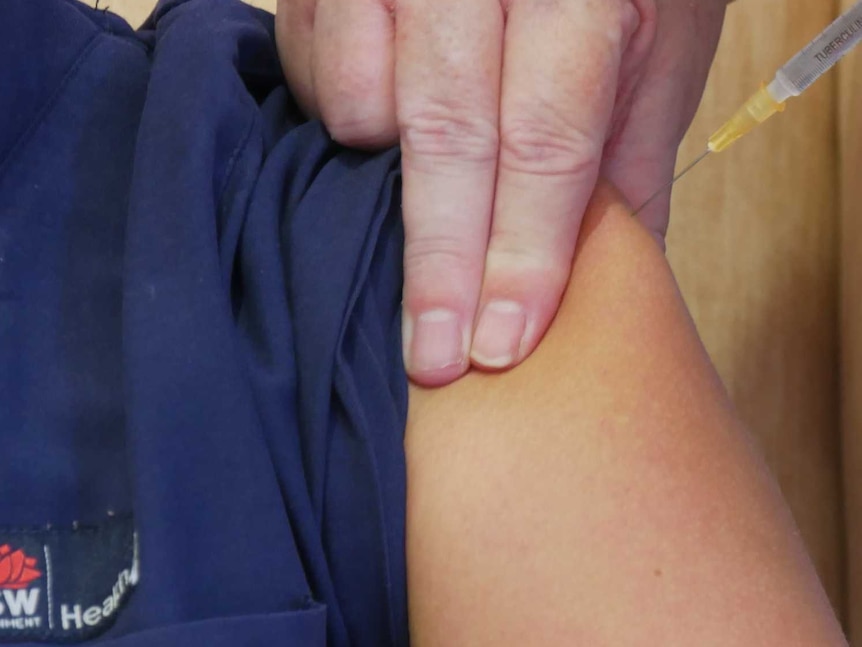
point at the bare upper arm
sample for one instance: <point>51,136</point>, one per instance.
<point>602,493</point>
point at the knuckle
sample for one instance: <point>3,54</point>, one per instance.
<point>537,248</point>
<point>441,254</point>
<point>544,266</point>
<point>646,10</point>
<point>354,106</point>
<point>443,130</point>
<point>620,11</point>
<point>629,20</point>
<point>360,129</point>
<point>618,20</point>
<point>549,146</point>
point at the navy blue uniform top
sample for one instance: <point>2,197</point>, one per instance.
<point>202,396</point>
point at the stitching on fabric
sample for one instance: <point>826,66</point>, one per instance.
<point>49,587</point>
<point>80,529</point>
<point>86,51</point>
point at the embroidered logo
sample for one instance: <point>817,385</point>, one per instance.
<point>19,595</point>
<point>66,584</point>
<point>17,570</point>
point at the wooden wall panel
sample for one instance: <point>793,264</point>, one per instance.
<point>850,139</point>
<point>753,242</point>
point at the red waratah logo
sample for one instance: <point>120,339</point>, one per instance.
<point>16,569</point>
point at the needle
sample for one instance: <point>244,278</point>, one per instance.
<point>672,182</point>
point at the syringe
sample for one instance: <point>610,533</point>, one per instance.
<point>793,79</point>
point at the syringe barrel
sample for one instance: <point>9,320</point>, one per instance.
<point>820,55</point>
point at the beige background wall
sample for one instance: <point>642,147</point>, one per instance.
<point>136,11</point>
<point>850,139</point>
<point>755,243</point>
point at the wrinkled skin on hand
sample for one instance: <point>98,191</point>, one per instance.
<point>507,112</point>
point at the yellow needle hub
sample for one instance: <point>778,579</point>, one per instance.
<point>760,107</point>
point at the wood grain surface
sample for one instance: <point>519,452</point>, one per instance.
<point>754,242</point>
<point>850,151</point>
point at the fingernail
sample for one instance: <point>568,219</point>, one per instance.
<point>501,328</point>
<point>436,341</point>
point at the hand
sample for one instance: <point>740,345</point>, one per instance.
<point>507,112</point>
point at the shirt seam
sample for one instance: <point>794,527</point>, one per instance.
<point>43,112</point>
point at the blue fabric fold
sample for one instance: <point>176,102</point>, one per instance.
<point>200,326</point>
